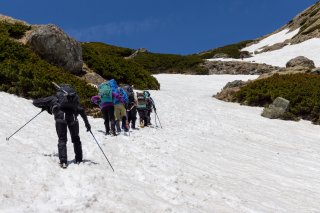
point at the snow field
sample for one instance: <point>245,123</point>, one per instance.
<point>210,156</point>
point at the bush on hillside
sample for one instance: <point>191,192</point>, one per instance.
<point>25,74</point>
<point>108,61</point>
<point>302,90</point>
<point>233,50</point>
<point>170,63</point>
<point>13,30</point>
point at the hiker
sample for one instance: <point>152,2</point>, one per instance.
<point>105,101</point>
<point>150,105</point>
<point>131,107</point>
<point>119,106</point>
<point>142,109</point>
<point>65,106</point>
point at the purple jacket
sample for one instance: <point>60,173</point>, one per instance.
<point>96,100</point>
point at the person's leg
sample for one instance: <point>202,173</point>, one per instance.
<point>117,114</point>
<point>74,132</point>
<point>106,118</point>
<point>141,117</point>
<point>124,119</point>
<point>112,120</point>
<point>145,118</point>
<point>133,117</point>
<point>129,117</point>
<point>148,117</point>
<point>61,128</point>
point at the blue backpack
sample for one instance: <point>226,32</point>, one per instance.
<point>105,93</point>
<point>124,95</point>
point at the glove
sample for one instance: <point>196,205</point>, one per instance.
<point>88,127</point>
<point>46,109</point>
<point>155,109</point>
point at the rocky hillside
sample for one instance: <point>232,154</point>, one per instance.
<point>48,48</point>
<point>293,51</point>
<point>307,24</point>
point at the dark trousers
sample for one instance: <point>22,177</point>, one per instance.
<point>148,117</point>
<point>143,114</point>
<point>132,116</point>
<point>108,116</point>
<point>63,122</point>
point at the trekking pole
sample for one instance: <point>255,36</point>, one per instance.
<point>158,119</point>
<point>23,125</point>
<point>101,150</point>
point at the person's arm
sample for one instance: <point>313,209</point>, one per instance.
<point>153,105</point>
<point>118,96</point>
<point>48,104</point>
<point>84,117</point>
<point>135,98</point>
<point>96,100</point>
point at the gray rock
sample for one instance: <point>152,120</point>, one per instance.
<point>56,47</point>
<point>140,50</point>
<point>221,55</point>
<point>276,109</point>
<point>236,83</point>
<point>238,67</point>
<point>300,61</point>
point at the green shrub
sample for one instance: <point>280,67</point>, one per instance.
<point>232,50</point>
<point>302,90</point>
<point>13,30</point>
<point>170,63</point>
<point>108,61</point>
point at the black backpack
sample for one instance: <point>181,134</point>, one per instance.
<point>141,101</point>
<point>67,98</point>
<point>130,93</point>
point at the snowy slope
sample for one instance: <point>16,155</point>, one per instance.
<point>211,156</point>
<point>271,40</point>
<point>309,48</point>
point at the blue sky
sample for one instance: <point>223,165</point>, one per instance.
<point>163,26</point>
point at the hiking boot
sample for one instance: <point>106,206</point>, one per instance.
<point>113,132</point>
<point>107,133</point>
<point>63,165</point>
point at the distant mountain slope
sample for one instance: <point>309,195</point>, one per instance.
<point>299,37</point>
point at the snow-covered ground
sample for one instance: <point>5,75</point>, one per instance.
<point>309,49</point>
<point>210,156</point>
<point>271,40</point>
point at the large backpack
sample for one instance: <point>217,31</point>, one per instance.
<point>130,93</point>
<point>105,92</point>
<point>124,95</point>
<point>141,101</point>
<point>67,98</point>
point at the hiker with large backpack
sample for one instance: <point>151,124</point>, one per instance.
<point>150,106</point>
<point>142,109</point>
<point>65,106</point>
<point>119,106</point>
<point>105,99</point>
<point>131,106</point>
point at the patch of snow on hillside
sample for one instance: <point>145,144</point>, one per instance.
<point>309,49</point>
<point>271,40</point>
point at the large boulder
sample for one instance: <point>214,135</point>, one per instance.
<point>56,47</point>
<point>276,109</point>
<point>301,61</point>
